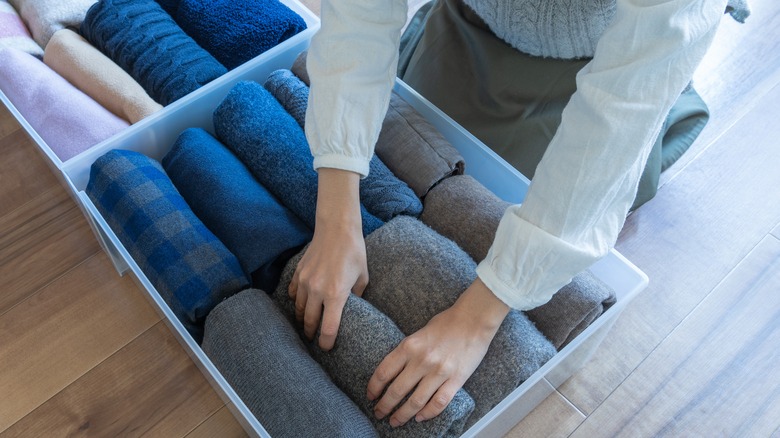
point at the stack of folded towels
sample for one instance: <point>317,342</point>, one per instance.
<point>247,195</point>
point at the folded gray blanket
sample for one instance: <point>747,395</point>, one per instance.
<point>408,144</point>
<point>365,337</point>
<point>415,273</point>
<point>463,210</point>
<point>258,352</point>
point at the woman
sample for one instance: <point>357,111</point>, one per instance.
<point>644,53</point>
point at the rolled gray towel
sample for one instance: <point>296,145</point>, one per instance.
<point>409,145</point>
<point>365,337</point>
<point>572,309</point>
<point>263,359</point>
<point>463,210</point>
<point>415,273</point>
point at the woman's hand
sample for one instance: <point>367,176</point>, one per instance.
<point>438,359</point>
<point>335,262</point>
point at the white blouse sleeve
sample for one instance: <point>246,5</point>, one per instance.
<point>352,64</point>
<point>587,180</point>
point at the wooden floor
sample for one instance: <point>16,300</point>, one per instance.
<point>696,354</point>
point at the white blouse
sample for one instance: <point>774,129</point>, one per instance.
<point>587,180</point>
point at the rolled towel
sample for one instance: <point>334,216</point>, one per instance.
<point>145,41</point>
<point>260,355</point>
<point>235,31</point>
<point>13,32</point>
<point>416,273</point>
<point>384,195</point>
<point>463,210</point>
<point>68,120</point>
<point>75,59</point>
<point>365,337</point>
<point>408,144</point>
<point>572,309</point>
<point>44,17</point>
<point>246,217</point>
<point>190,268</point>
<point>253,124</point>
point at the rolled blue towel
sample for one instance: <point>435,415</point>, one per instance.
<point>365,337</point>
<point>145,41</point>
<point>247,218</point>
<point>235,31</point>
<point>383,194</point>
<point>253,124</point>
<point>416,273</point>
<point>190,268</point>
<point>261,356</point>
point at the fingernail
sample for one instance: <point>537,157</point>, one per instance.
<point>394,422</point>
<point>378,414</point>
<point>419,418</point>
<point>370,396</point>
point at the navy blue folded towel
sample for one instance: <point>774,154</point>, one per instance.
<point>190,268</point>
<point>145,41</point>
<point>246,217</point>
<point>235,31</point>
<point>170,6</point>
<point>253,124</point>
<point>383,194</point>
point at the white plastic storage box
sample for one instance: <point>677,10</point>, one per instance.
<point>312,25</point>
<point>156,134</point>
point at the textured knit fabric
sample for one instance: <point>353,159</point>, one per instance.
<point>462,209</point>
<point>258,352</point>
<point>415,273</point>
<point>253,124</point>
<point>190,268</point>
<point>235,31</point>
<point>68,120</point>
<point>408,145</point>
<point>572,309</point>
<point>75,59</point>
<point>145,41</point>
<point>365,337</point>
<point>383,194</point>
<point>246,217</point>
<point>44,17</point>
<point>586,183</point>
<point>13,32</point>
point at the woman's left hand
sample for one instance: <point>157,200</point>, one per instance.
<point>438,359</point>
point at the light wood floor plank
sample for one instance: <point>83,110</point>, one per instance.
<point>7,123</point>
<point>554,417</point>
<point>687,239</point>
<point>151,387</point>
<point>730,79</point>
<point>23,173</point>
<point>717,374</point>
<point>58,334</point>
<point>222,425</point>
<point>40,241</point>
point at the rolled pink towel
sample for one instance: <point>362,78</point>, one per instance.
<point>68,120</point>
<point>13,32</point>
<point>44,17</point>
<point>92,72</point>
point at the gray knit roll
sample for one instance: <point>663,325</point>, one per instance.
<point>365,337</point>
<point>415,273</point>
<point>560,29</point>
<point>463,210</point>
<point>263,359</point>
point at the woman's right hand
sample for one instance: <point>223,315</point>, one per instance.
<point>335,262</point>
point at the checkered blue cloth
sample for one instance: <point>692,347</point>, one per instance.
<point>190,268</point>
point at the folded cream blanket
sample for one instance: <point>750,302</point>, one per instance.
<point>92,72</point>
<point>44,17</point>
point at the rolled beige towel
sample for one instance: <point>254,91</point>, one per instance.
<point>96,75</point>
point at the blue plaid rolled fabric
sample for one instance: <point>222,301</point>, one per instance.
<point>190,268</point>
